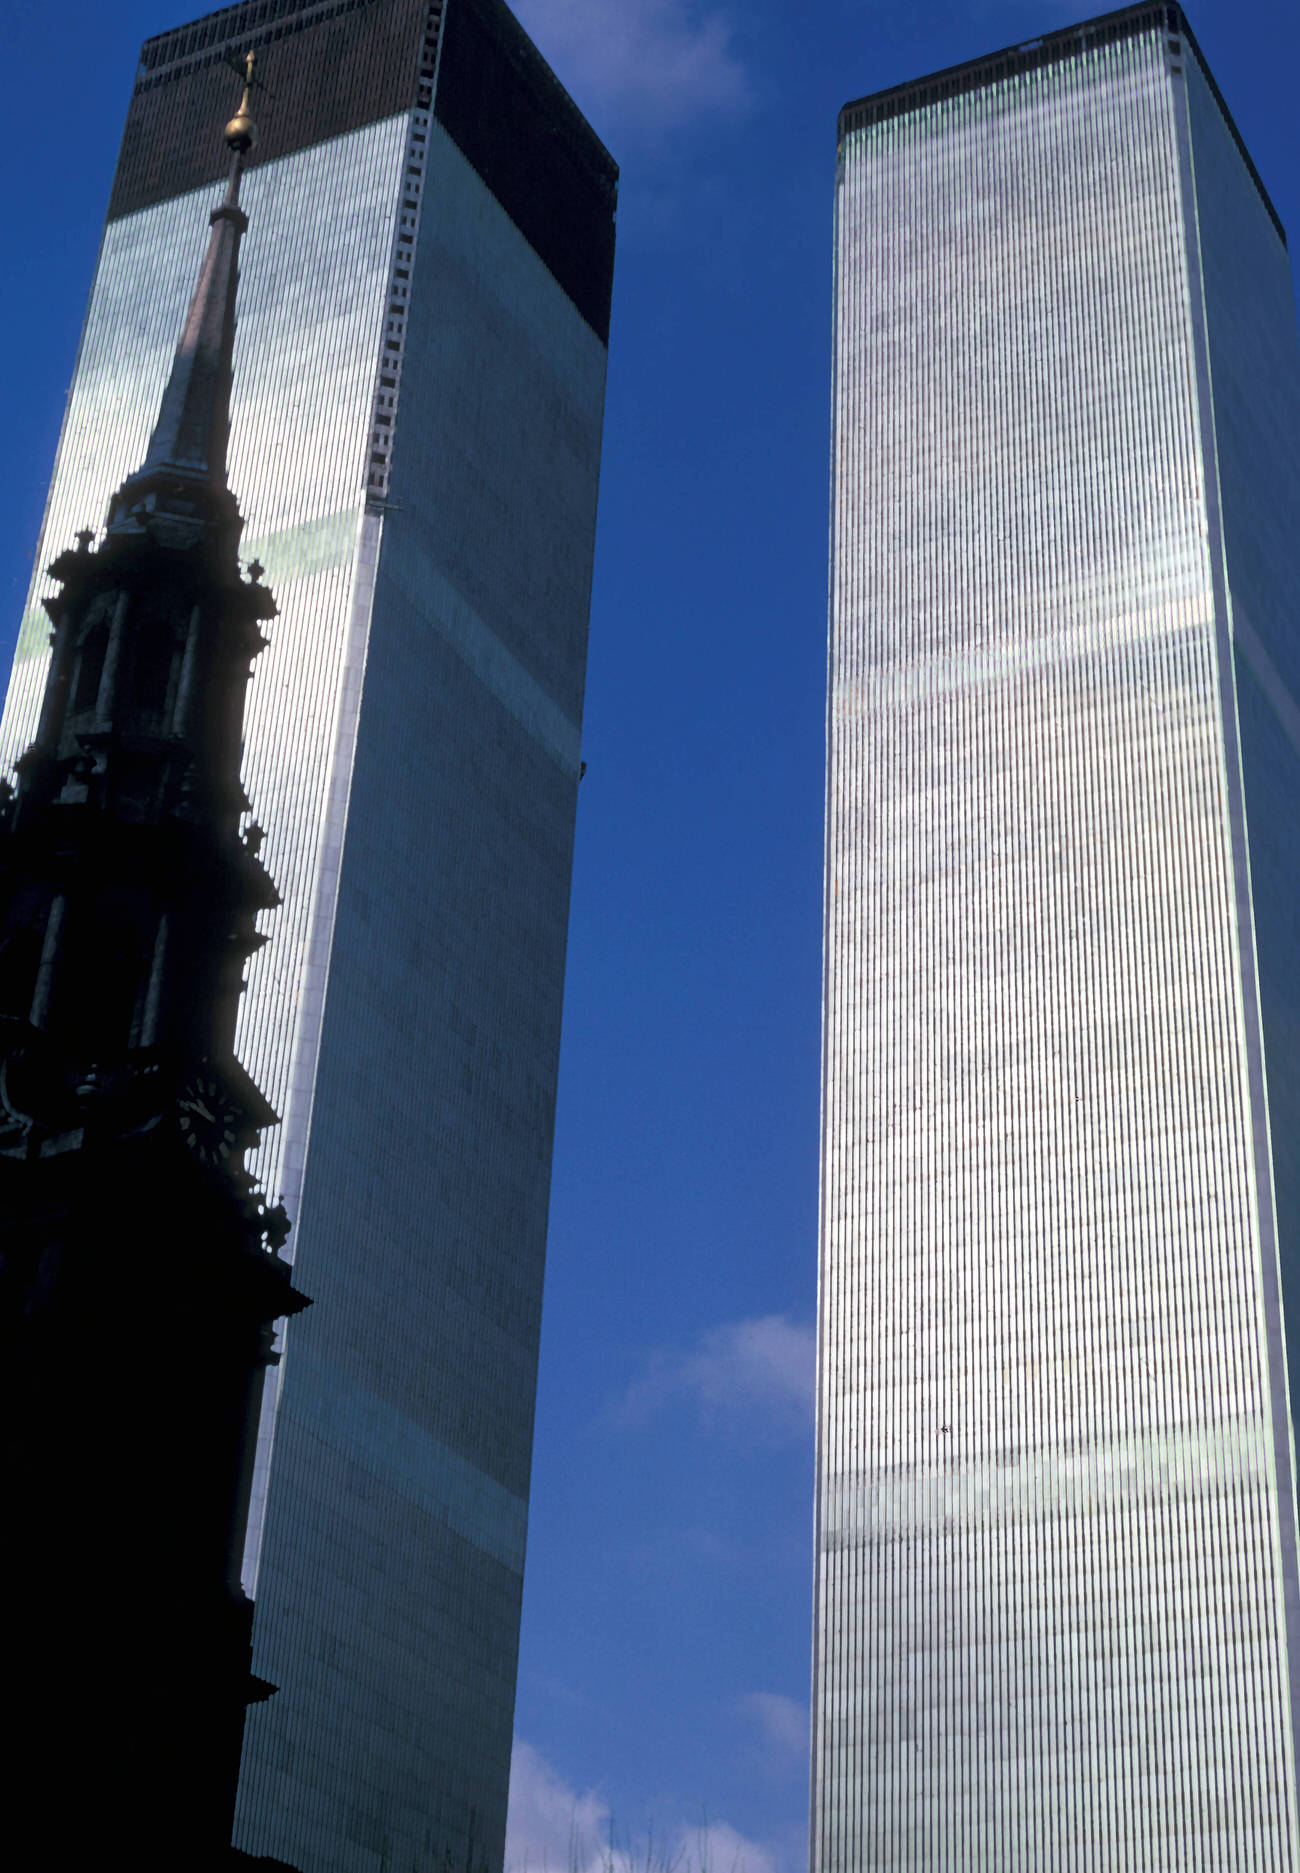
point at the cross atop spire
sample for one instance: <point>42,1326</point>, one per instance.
<point>193,428</point>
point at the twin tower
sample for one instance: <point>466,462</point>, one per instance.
<point>414,439</point>
<point>1058,1615</point>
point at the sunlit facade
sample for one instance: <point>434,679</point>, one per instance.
<point>416,426</point>
<point>1057,1614</point>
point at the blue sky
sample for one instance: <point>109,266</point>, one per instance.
<point>667,1613</point>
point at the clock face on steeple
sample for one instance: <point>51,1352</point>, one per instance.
<point>208,1120</point>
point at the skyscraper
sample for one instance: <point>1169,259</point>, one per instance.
<point>1057,1613</point>
<point>419,375</point>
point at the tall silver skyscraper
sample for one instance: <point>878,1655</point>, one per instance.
<point>416,426</point>
<point>1058,1617</point>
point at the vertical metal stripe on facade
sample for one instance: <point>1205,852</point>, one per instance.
<point>1050,1598</point>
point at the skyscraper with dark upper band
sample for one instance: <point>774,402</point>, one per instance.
<point>418,393</point>
<point>1058,1606</point>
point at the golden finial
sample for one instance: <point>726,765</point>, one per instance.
<point>241,131</point>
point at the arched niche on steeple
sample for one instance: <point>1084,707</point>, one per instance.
<point>102,977</point>
<point>20,958</point>
<point>157,639</point>
<point>91,656</point>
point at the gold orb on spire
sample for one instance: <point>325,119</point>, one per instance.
<point>241,131</point>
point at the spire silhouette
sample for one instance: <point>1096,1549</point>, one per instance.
<point>129,905</point>
<point>193,427</point>
<point>192,433</point>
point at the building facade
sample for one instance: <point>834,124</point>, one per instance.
<point>416,422</point>
<point>1057,1617</point>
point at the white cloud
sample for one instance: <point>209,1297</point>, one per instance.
<point>550,1827</point>
<point>553,1829</point>
<point>782,1723</point>
<point>761,1371</point>
<point>655,63</point>
<point>720,1849</point>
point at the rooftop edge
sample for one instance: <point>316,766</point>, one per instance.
<point>1029,55</point>
<point>207,39</point>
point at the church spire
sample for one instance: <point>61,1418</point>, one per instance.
<point>193,428</point>
<point>140,1272</point>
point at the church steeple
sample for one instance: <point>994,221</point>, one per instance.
<point>190,437</point>
<point>149,647</point>
<point>140,1273</point>
<point>187,450</point>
